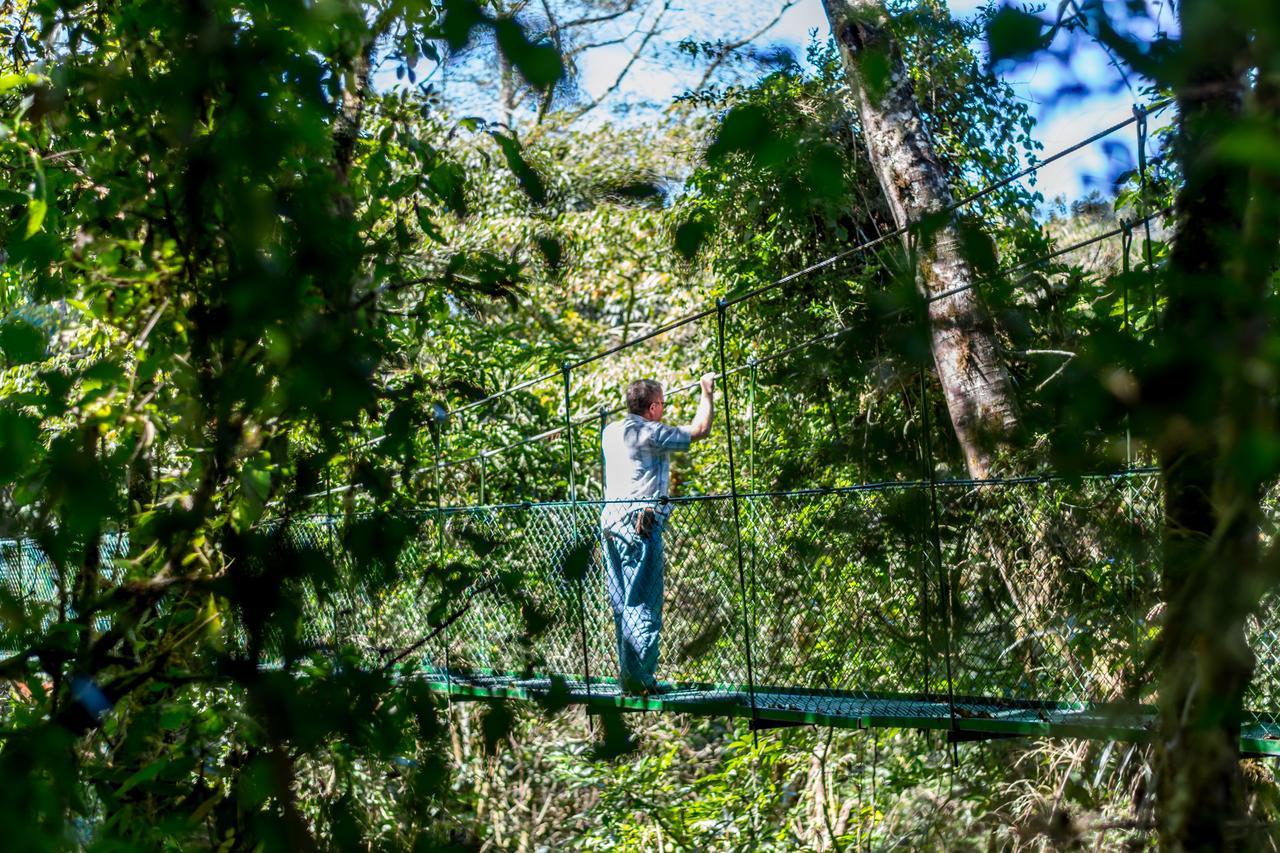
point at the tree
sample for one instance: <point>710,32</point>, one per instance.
<point>1199,393</point>
<point>196,278</point>
<point>974,379</point>
<point>1214,327</point>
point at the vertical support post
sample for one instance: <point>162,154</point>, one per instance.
<point>566,370</point>
<point>926,476</point>
<point>926,632</point>
<point>944,578</point>
<point>374,606</point>
<point>439,418</point>
<point>1140,124</point>
<point>721,306</point>
<point>1126,243</point>
<point>604,414</point>
<point>1126,246</point>
<point>751,474</point>
<point>330,524</point>
<point>751,416</point>
<point>484,470</point>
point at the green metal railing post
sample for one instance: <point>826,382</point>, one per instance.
<point>604,414</point>
<point>751,476</point>
<point>339,523</point>
<point>944,579</point>
<point>331,524</point>
<point>439,419</point>
<point>1129,492</point>
<point>1140,125</point>
<point>721,306</point>
<point>1126,243</point>
<point>566,370</point>
<point>484,469</point>
<point>751,423</point>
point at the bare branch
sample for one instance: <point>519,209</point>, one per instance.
<point>583,48</point>
<point>626,69</point>
<point>346,126</point>
<point>600,19</point>
<point>726,49</point>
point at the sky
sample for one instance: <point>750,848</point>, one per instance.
<point>658,76</point>
<point>1060,121</point>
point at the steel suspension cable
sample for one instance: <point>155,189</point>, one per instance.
<point>912,227</point>
<point>1140,121</point>
<point>438,436</point>
<point>1057,253</point>
<point>581,581</point>
<point>825,337</point>
<point>1139,117</point>
<point>936,537</point>
<point>1126,244</point>
<point>721,307</point>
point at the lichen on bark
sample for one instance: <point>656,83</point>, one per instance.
<point>962,336</point>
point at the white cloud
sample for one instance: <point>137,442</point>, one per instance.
<point>658,77</point>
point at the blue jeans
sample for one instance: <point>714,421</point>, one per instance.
<point>633,575</point>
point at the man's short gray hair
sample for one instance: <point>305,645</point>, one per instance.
<point>640,394</point>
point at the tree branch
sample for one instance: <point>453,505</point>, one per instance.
<point>346,126</point>
<point>626,69</point>
<point>599,19</point>
<point>726,49</point>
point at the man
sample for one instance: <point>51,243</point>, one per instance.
<point>637,470</point>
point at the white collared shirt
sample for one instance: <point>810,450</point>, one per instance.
<point>637,463</point>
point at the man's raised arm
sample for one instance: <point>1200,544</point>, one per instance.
<point>701,426</point>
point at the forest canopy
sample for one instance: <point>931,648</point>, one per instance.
<point>312,318</point>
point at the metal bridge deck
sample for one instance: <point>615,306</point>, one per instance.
<point>975,718</point>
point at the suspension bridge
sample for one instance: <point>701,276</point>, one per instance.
<point>982,609</point>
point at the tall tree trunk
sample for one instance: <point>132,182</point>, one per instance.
<point>357,81</point>
<point>1213,401</point>
<point>974,380</point>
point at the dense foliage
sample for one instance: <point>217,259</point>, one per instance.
<point>243,285</point>
<point>203,236</point>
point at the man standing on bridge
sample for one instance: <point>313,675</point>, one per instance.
<point>637,470</point>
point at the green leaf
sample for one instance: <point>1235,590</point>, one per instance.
<point>538,64</point>
<point>1014,34</point>
<point>638,191</point>
<point>448,182</point>
<point>255,488</point>
<point>978,248</point>
<point>175,716</point>
<point>15,81</point>
<point>551,250</point>
<point>745,128</point>
<point>146,774</point>
<point>36,211</point>
<point>22,343</point>
<point>19,436</point>
<point>529,179</point>
<point>460,18</point>
<point>1255,147</point>
<point>427,226</point>
<point>690,236</point>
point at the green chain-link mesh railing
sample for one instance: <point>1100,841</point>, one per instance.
<point>1032,611</point>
